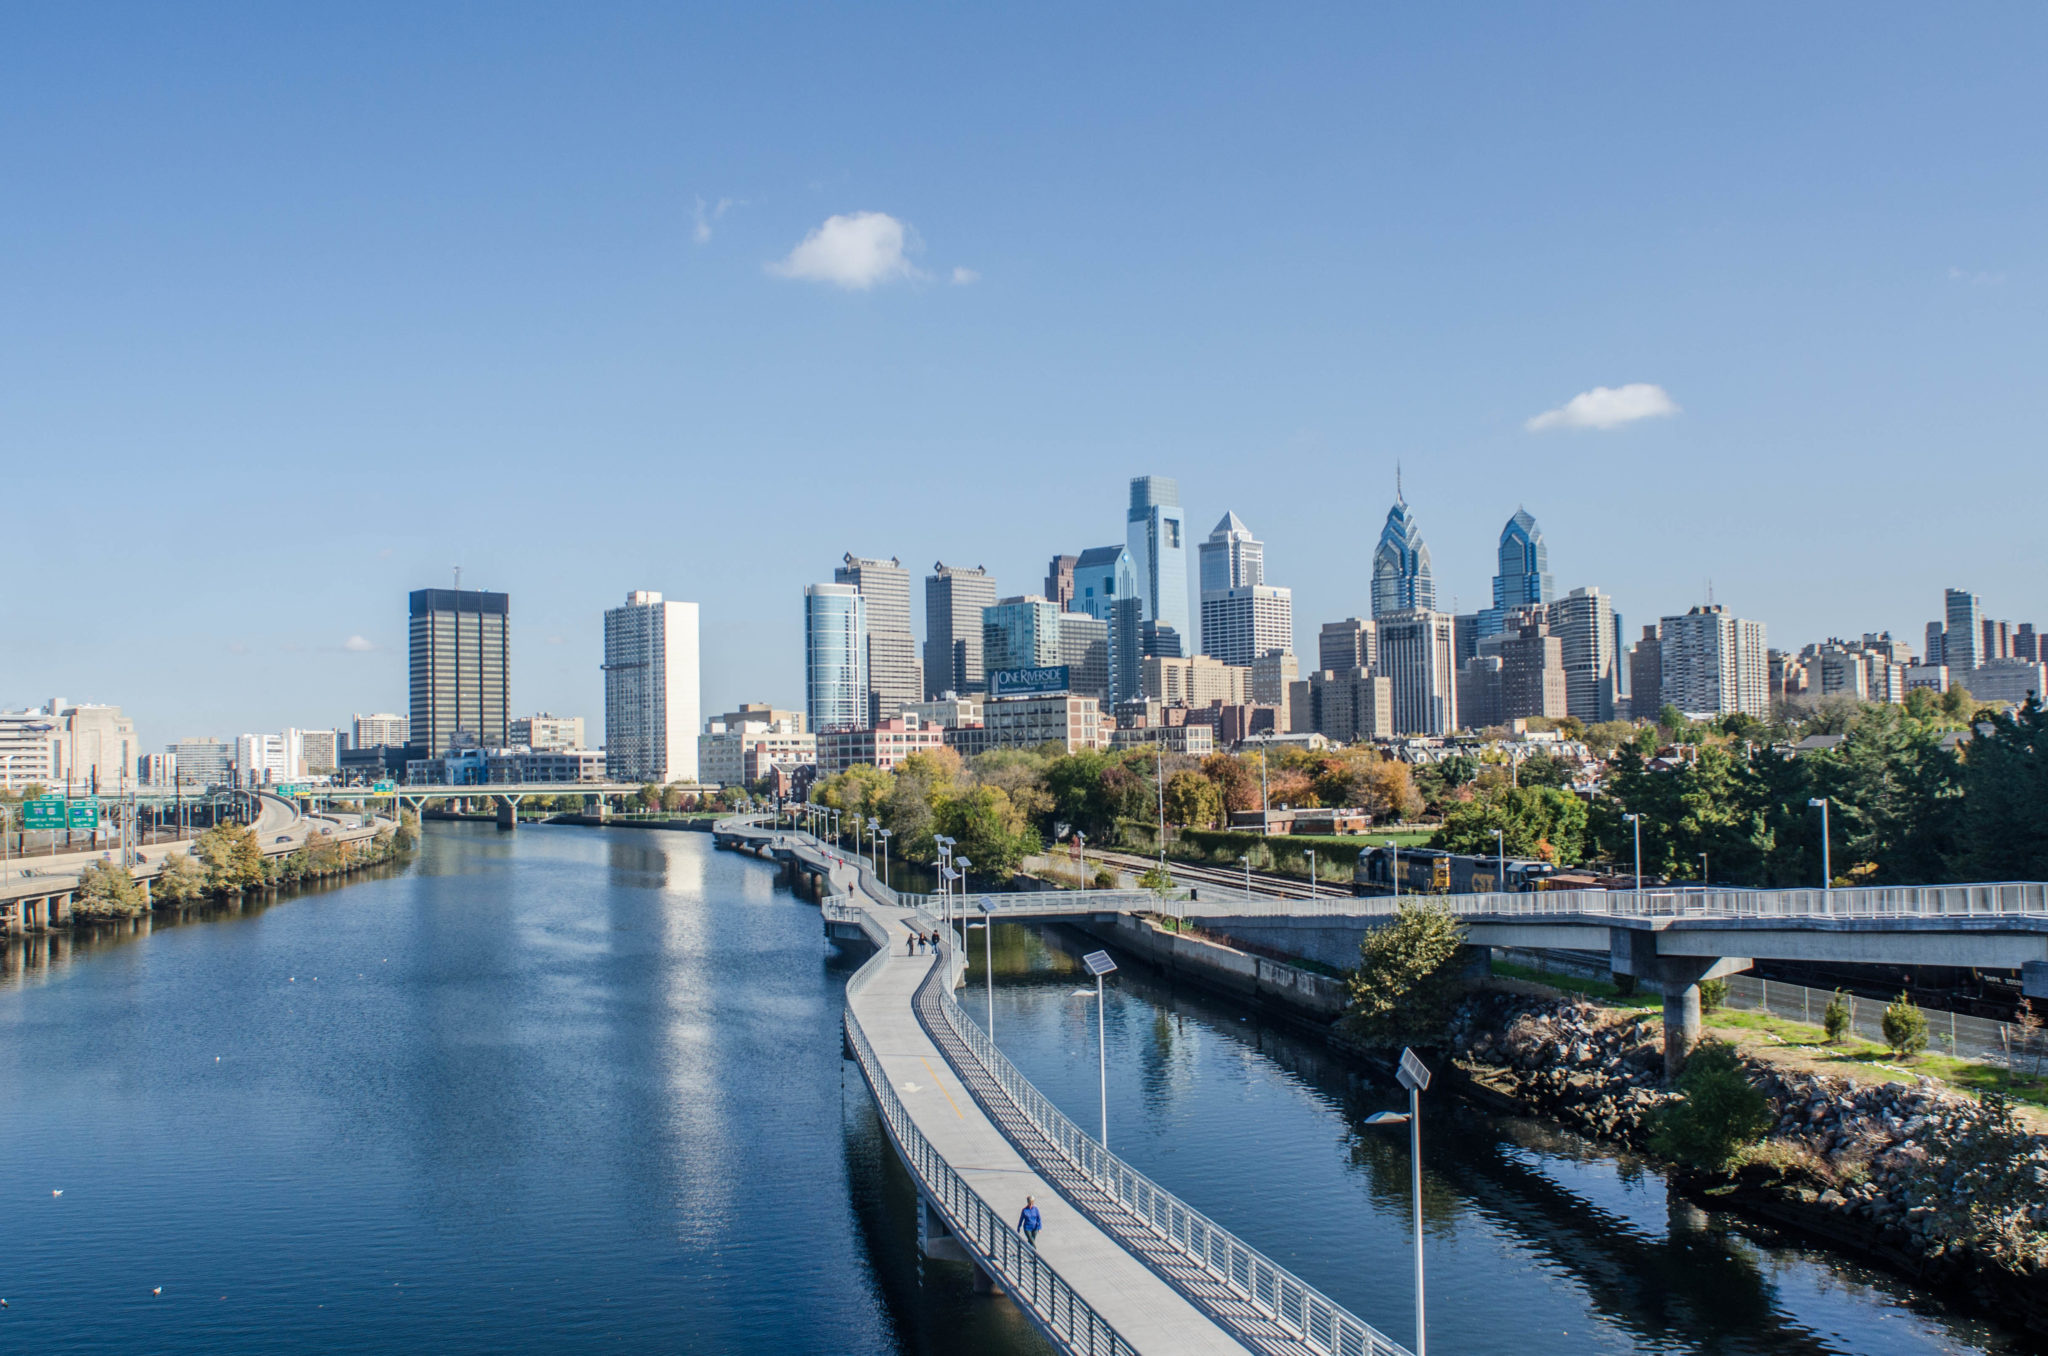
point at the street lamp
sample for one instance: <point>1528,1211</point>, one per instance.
<point>1311,872</point>
<point>1827,874</point>
<point>1414,1076</point>
<point>1099,964</point>
<point>1637,820</point>
<point>1703,870</point>
<point>988,957</point>
<point>1500,862</point>
<point>1081,842</point>
<point>944,847</point>
<point>1395,847</point>
<point>1247,863</point>
<point>885,835</point>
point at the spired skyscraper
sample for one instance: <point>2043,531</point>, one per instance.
<point>1156,533</point>
<point>1242,618</point>
<point>1401,577</point>
<point>1524,578</point>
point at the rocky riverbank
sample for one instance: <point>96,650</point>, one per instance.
<point>1933,1183</point>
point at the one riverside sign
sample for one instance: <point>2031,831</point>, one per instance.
<point>1028,682</point>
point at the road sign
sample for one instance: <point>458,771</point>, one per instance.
<point>85,813</point>
<point>1414,1075</point>
<point>1098,963</point>
<point>384,788</point>
<point>46,812</point>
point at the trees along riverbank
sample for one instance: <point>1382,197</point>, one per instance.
<point>228,859</point>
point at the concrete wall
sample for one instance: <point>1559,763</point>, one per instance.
<point>1222,968</point>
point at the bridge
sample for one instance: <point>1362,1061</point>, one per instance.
<point>506,796</point>
<point>1123,1266</point>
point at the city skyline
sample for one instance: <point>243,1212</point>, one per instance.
<point>1707,312</point>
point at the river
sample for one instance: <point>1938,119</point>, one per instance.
<point>570,1089</point>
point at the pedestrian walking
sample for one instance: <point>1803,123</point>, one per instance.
<point>1028,1223</point>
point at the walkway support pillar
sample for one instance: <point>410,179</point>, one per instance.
<point>508,811</point>
<point>1633,951</point>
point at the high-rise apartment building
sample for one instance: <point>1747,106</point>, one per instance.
<point>1646,675</point>
<point>1963,637</point>
<point>835,657</point>
<point>1401,577</point>
<point>1195,681</point>
<point>1155,532</point>
<point>1523,579</point>
<point>200,763</point>
<point>379,730</point>
<point>26,752</point>
<point>1715,664</point>
<point>953,603</point>
<point>1240,624</point>
<point>895,677</point>
<point>1588,630</point>
<point>319,752</point>
<point>1349,644</point>
<point>651,704</point>
<point>460,643</point>
<point>1059,581</point>
<point>1346,705</point>
<point>544,731</point>
<point>1415,654</point>
<point>1532,675</point>
<point>1273,675</point>
<point>1020,633</point>
<point>1232,558</point>
<point>1937,643</point>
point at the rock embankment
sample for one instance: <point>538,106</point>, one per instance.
<point>1937,1183</point>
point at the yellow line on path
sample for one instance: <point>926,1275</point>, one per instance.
<point>942,1085</point>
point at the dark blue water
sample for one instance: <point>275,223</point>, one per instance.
<point>554,1091</point>
<point>572,1090</point>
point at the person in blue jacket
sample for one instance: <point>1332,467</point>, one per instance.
<point>1029,1223</point>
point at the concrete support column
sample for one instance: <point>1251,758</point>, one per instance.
<point>1681,1025</point>
<point>1635,951</point>
<point>934,1239</point>
<point>508,811</point>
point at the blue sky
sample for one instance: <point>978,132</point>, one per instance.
<point>299,309</point>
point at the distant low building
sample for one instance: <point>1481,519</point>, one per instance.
<point>546,730</point>
<point>885,745</point>
<point>2006,680</point>
<point>1195,740</point>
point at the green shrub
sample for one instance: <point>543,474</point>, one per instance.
<point>1835,1020</point>
<point>108,891</point>
<point>182,880</point>
<point>1105,879</point>
<point>1721,1111</point>
<point>1713,993</point>
<point>1407,977</point>
<point>1905,1027</point>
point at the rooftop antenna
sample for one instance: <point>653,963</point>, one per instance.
<point>1710,591</point>
<point>458,579</point>
<point>1399,498</point>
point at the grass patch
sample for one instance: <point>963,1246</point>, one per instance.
<point>1589,988</point>
<point>1873,1060</point>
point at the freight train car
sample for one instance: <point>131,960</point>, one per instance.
<point>1432,871</point>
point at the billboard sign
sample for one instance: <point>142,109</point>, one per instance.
<point>46,812</point>
<point>1046,682</point>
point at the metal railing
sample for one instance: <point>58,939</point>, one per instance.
<point>1053,1304</point>
<point>2002,899</point>
<point>1269,1287</point>
<point>1037,902</point>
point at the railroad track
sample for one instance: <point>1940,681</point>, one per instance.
<point>1287,887</point>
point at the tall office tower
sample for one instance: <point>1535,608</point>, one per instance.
<point>1937,643</point>
<point>1624,687</point>
<point>1523,579</point>
<point>1997,642</point>
<point>651,706</point>
<point>200,763</point>
<point>1059,581</point>
<point>835,657</point>
<point>895,678</point>
<point>1240,624</point>
<point>1646,675</point>
<point>1401,577</point>
<point>1715,664</point>
<point>1963,640</point>
<point>1465,636</point>
<point>1479,691</point>
<point>320,751</point>
<point>1156,536</point>
<point>1020,633</point>
<point>2026,644</point>
<point>1106,588</point>
<point>1415,654</point>
<point>382,729</point>
<point>1349,644</point>
<point>1084,649</point>
<point>953,601</point>
<point>1232,558</point>
<point>461,649</point>
<point>1532,675</point>
<point>1583,622</point>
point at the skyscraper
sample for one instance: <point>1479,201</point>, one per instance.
<point>1583,622</point>
<point>835,653</point>
<point>1232,558</point>
<point>895,678</point>
<point>953,600</point>
<point>1059,581</point>
<point>1715,664</point>
<point>1020,633</point>
<point>1415,654</point>
<point>1084,649</point>
<point>1349,644</point>
<point>1156,536</point>
<point>460,643</point>
<point>1401,577</point>
<point>1106,588</point>
<point>1523,579</point>
<point>1240,624</point>
<point>651,704</point>
<point>1963,640</point>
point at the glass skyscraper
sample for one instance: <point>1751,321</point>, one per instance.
<point>835,657</point>
<point>1401,577</point>
<point>1156,533</point>
<point>1523,579</point>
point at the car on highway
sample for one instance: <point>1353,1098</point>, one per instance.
<point>284,838</point>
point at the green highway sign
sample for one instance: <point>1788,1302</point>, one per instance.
<point>384,788</point>
<point>45,813</point>
<point>85,814</point>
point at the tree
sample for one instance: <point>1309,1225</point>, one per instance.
<point>1158,880</point>
<point>1835,1018</point>
<point>232,857</point>
<point>1407,977</point>
<point>1905,1027</point>
<point>2003,835</point>
<point>407,836</point>
<point>1388,793</point>
<point>650,796</point>
<point>1545,769</point>
<point>181,881</point>
<point>1713,993</point>
<point>1720,1112</point>
<point>1237,781</point>
<point>108,891</point>
<point>1192,800</point>
<point>1536,822</point>
<point>988,830</point>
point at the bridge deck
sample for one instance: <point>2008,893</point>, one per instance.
<point>1148,1312</point>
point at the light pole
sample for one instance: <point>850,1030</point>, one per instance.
<point>1247,861</point>
<point>1159,779</point>
<point>1827,874</point>
<point>944,846</point>
<point>1703,869</point>
<point>960,879</point>
<point>885,835</point>
<point>1099,964</point>
<point>1265,750</point>
<point>1500,862</point>
<point>1311,872</point>
<point>1414,1076</point>
<point>1637,821</point>
<point>1395,848</point>
<point>1081,839</point>
<point>988,958</point>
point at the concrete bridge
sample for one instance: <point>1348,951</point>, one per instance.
<point>1123,1265</point>
<point>506,796</point>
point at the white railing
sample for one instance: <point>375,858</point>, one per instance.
<point>2004,899</point>
<point>1270,1288</point>
<point>1053,1304</point>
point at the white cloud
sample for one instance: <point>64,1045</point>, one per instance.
<point>1975,279</point>
<point>964,276</point>
<point>705,215</point>
<point>1607,407</point>
<point>855,251</point>
<point>358,645</point>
